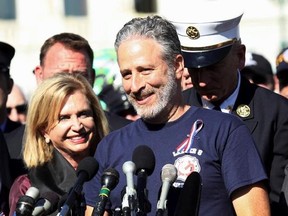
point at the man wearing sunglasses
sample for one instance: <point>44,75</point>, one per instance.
<point>17,105</point>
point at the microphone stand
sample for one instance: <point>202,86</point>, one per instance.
<point>82,206</point>
<point>129,202</point>
<point>78,206</point>
<point>162,211</point>
<point>117,212</point>
<point>144,206</point>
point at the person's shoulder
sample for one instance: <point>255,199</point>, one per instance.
<point>262,95</point>
<point>125,129</point>
<point>216,117</point>
<point>11,125</point>
<point>19,131</point>
<point>270,96</point>
<point>14,141</point>
<point>116,121</point>
<point>19,187</point>
<point>117,140</point>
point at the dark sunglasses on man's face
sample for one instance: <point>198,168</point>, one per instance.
<point>21,109</point>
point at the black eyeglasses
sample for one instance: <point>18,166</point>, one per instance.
<point>21,109</point>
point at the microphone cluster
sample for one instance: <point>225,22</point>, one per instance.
<point>31,204</point>
<point>135,200</point>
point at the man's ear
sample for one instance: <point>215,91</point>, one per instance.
<point>179,66</point>
<point>241,56</point>
<point>38,74</point>
<point>93,76</point>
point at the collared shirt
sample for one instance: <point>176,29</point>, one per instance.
<point>228,104</point>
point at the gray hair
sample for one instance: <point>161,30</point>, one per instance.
<point>154,27</point>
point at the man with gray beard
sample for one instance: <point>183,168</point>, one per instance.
<point>216,145</point>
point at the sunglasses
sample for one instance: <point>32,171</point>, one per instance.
<point>21,109</point>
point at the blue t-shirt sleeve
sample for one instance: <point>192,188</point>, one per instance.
<point>241,163</point>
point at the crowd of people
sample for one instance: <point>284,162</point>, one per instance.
<point>191,92</point>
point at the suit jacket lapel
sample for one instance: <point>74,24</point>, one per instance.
<point>244,104</point>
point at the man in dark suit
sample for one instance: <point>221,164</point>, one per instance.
<point>5,176</point>
<point>6,54</point>
<point>214,56</point>
<point>6,83</point>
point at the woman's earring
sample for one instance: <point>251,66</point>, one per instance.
<point>47,140</point>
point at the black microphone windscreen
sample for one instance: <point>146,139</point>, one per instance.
<point>189,199</point>
<point>25,203</point>
<point>110,178</point>
<point>144,158</point>
<point>89,165</point>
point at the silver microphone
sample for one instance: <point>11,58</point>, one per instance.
<point>129,199</point>
<point>168,176</point>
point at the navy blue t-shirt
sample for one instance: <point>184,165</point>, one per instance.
<point>217,145</point>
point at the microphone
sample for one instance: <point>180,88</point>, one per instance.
<point>168,177</point>
<point>189,199</point>
<point>86,170</point>
<point>109,180</point>
<point>144,159</point>
<point>25,204</point>
<point>129,198</point>
<point>46,205</point>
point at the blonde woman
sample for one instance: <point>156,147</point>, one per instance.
<point>65,122</point>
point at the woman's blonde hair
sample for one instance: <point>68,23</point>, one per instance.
<point>43,114</point>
